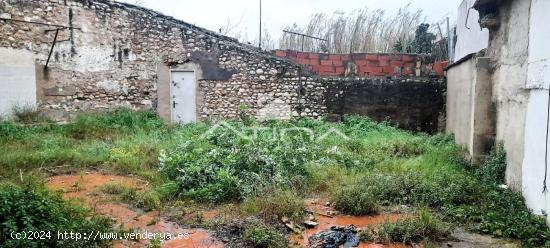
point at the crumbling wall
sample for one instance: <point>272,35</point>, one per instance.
<point>116,53</point>
<point>508,51</point>
<point>111,54</point>
<point>413,103</point>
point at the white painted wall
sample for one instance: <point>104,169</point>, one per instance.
<point>17,80</point>
<point>538,82</point>
<point>470,37</point>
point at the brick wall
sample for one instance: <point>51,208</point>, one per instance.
<point>366,64</point>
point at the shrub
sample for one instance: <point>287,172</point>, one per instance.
<point>493,169</point>
<point>148,200</point>
<point>355,200</point>
<point>29,115</point>
<point>263,237</point>
<point>425,226</point>
<point>502,213</point>
<point>25,210</point>
<point>226,167</point>
<point>274,205</point>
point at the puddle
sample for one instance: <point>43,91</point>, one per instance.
<point>325,223</point>
<point>86,187</point>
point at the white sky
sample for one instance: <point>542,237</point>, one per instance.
<point>277,14</point>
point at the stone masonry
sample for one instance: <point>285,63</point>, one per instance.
<point>115,57</point>
<point>110,55</point>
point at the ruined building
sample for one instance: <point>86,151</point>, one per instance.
<point>498,90</point>
<point>70,56</point>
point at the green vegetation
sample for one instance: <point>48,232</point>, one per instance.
<point>424,227</point>
<point>263,237</point>
<point>269,167</point>
<point>42,213</point>
<point>147,201</point>
<point>273,206</point>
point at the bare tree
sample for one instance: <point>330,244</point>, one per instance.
<point>362,30</point>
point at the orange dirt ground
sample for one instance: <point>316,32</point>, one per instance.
<point>326,223</point>
<point>86,187</point>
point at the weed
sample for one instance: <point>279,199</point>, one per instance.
<point>30,209</point>
<point>493,169</point>
<point>115,188</point>
<point>29,115</point>
<point>274,205</point>
<point>423,227</point>
<point>355,200</point>
<point>377,165</point>
<point>263,237</point>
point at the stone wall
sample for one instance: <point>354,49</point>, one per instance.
<point>413,103</point>
<point>113,54</point>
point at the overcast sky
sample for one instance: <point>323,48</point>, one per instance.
<point>277,14</point>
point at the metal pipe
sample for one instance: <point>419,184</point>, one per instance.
<point>305,35</point>
<point>260,40</point>
<point>39,23</point>
<point>51,49</point>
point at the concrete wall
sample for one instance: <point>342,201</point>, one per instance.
<point>508,50</point>
<point>416,104</point>
<point>535,167</point>
<point>17,80</point>
<point>460,89</point>
<point>471,38</point>
<point>470,110</point>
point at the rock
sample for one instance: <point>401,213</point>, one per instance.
<point>310,224</point>
<point>294,228</point>
<point>285,220</point>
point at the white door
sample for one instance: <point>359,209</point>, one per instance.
<point>183,97</point>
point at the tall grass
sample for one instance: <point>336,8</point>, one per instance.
<point>362,30</point>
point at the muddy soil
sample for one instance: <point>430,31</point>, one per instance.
<point>325,222</point>
<point>87,188</point>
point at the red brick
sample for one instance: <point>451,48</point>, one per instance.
<point>396,57</point>
<point>314,56</point>
<point>389,69</point>
<point>346,57</point>
<point>326,62</point>
<point>370,69</point>
<point>317,68</point>
<point>396,63</point>
<point>383,62</point>
<point>280,53</point>
<point>373,63</point>
<point>372,57</point>
<point>335,57</point>
<point>384,57</point>
<point>327,69</point>
<point>408,58</point>
<point>313,62</point>
<point>338,63</point>
<point>360,62</point>
<point>340,70</point>
<point>302,55</point>
<point>292,54</point>
<point>409,64</point>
